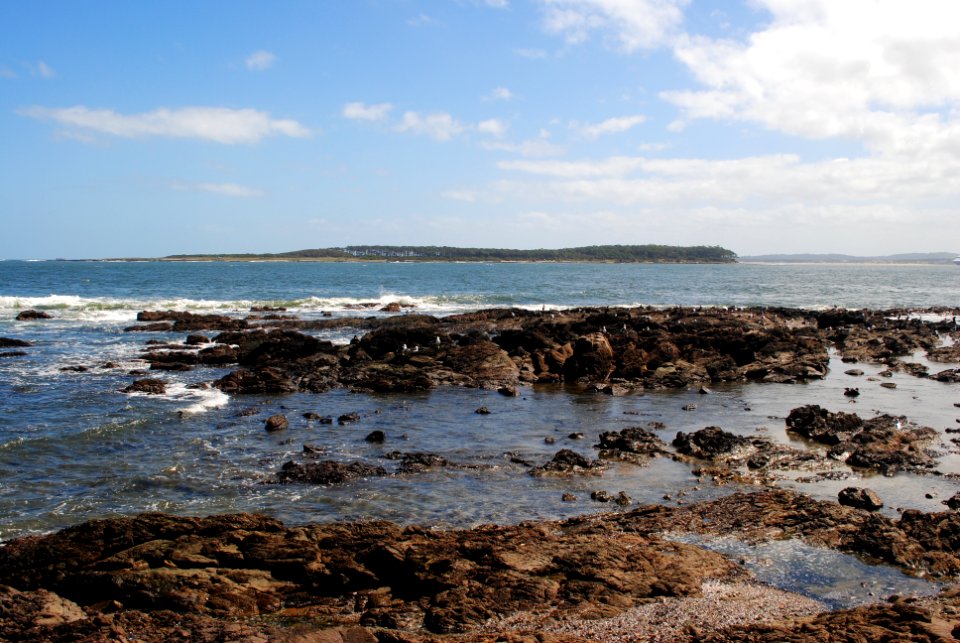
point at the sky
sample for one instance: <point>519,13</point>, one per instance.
<point>765,126</point>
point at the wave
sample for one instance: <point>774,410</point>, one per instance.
<point>106,309</point>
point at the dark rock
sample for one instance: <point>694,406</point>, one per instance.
<point>854,372</point>
<point>392,307</point>
<point>888,384</point>
<point>276,423</point>
<point>310,415</point>
<point>482,411</point>
<point>568,497</point>
<point>600,496</point>
<point>197,340</point>
<point>260,381</point>
<point>417,462</point>
<point>156,327</point>
<point>688,407</point>
<point>326,472</point>
<point>820,425</point>
<point>6,354</point>
<point>7,342</point>
<point>860,499</point>
<point>632,441</point>
<point>851,392</point>
<point>508,391</point>
<point>549,440</point>
<point>218,355</point>
<point>33,315</point>
<point>954,501</point>
<point>709,443</point>
<point>622,499</point>
<point>225,578</point>
<point>576,435</point>
<point>568,462</point>
<point>376,436</point>
<point>348,418</point>
<point>149,386</point>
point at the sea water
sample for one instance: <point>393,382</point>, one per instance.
<point>72,447</point>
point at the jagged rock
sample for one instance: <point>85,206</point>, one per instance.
<point>632,441</point>
<point>860,498</point>
<point>709,443</point>
<point>148,385</point>
<point>953,501</point>
<point>821,425</point>
<point>242,571</point>
<point>263,381</point>
<point>568,462</point>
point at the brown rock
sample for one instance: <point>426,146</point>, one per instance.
<point>147,385</point>
<point>276,423</point>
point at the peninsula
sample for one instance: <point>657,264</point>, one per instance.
<point>610,254</point>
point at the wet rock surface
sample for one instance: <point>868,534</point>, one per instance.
<point>240,577</point>
<point>886,443</point>
<point>377,574</point>
<point>613,350</point>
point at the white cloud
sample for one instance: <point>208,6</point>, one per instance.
<point>494,127</point>
<point>421,20</point>
<point>499,93</point>
<point>532,54</point>
<point>611,126</point>
<point>218,124</point>
<point>6,72</point>
<point>223,189</point>
<point>363,112</point>
<point>40,68</point>
<point>614,166</point>
<point>260,60</point>
<point>438,126</point>
<point>757,183</point>
<point>531,148</point>
<point>883,72</point>
<point>497,4</point>
<point>467,196</point>
<point>628,24</point>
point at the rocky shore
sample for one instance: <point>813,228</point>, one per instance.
<point>607,577</point>
<point>623,575</point>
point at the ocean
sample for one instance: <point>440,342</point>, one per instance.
<point>73,447</point>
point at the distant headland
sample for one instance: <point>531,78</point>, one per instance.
<point>604,254</point>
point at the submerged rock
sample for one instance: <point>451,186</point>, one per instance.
<point>326,472</point>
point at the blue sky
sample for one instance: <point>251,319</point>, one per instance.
<point>147,129</point>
